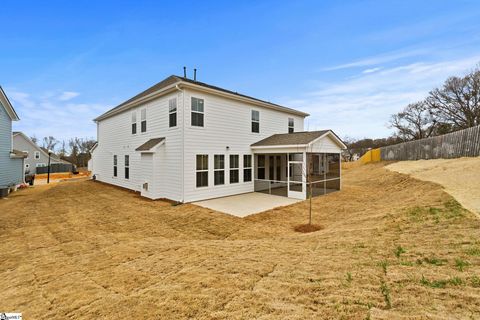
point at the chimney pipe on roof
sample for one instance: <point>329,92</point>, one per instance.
<point>185,72</point>
<point>195,74</point>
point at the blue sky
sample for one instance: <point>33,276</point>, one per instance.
<point>350,64</point>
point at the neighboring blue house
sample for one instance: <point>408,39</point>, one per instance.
<point>11,161</point>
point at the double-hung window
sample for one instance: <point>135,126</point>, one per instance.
<point>255,121</point>
<point>202,170</point>
<point>291,125</point>
<point>36,154</point>
<point>134,122</point>
<point>219,169</point>
<point>143,124</point>
<point>172,112</point>
<point>127,167</point>
<point>234,168</point>
<point>115,165</point>
<point>247,168</point>
<point>198,112</point>
<point>261,166</point>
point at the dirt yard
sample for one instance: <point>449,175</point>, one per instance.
<point>459,177</point>
<point>391,246</point>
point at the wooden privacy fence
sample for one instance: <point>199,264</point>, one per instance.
<point>463,143</point>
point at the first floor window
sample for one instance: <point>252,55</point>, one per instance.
<point>143,124</point>
<point>172,112</point>
<point>202,170</point>
<point>115,165</point>
<point>198,112</point>
<point>234,168</point>
<point>261,167</point>
<point>40,165</point>
<point>247,168</point>
<point>219,169</point>
<point>255,121</point>
<point>291,125</point>
<point>127,167</point>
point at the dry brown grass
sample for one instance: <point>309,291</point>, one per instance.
<point>390,247</point>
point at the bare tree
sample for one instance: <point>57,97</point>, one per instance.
<point>416,121</point>
<point>458,101</point>
<point>49,143</point>
<point>63,149</point>
<point>34,139</point>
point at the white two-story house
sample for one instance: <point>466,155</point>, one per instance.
<point>185,140</point>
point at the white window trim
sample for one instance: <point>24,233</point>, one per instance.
<point>143,112</point>
<point>115,165</point>
<point>256,121</point>
<point>134,121</point>
<point>237,168</point>
<point>202,170</point>
<point>203,113</point>
<point>176,113</point>
<point>246,168</point>
<point>125,166</point>
<point>215,170</point>
<point>291,126</point>
<point>36,155</point>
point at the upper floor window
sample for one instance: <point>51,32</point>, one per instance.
<point>255,121</point>
<point>219,169</point>
<point>291,125</point>
<point>143,124</point>
<point>172,112</point>
<point>37,155</point>
<point>234,168</point>
<point>127,167</point>
<point>115,165</point>
<point>197,112</point>
<point>134,122</point>
<point>202,170</point>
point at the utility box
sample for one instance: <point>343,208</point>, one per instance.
<point>4,191</point>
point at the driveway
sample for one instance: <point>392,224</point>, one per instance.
<point>246,204</point>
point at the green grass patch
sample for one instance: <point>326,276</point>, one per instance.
<point>475,282</point>
<point>473,251</point>
<point>398,251</point>
<point>386,294</point>
<point>383,264</point>
<point>451,209</point>
<point>435,261</point>
<point>455,281</point>
<point>461,264</point>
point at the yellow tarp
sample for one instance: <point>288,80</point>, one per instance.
<point>371,156</point>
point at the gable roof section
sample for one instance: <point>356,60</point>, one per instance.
<point>8,106</point>
<point>169,84</point>
<point>296,139</point>
<point>150,144</point>
<point>53,156</point>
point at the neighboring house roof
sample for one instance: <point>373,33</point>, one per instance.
<point>53,157</point>
<point>94,147</point>
<point>18,154</point>
<point>8,106</point>
<point>150,144</point>
<point>169,84</point>
<point>296,139</point>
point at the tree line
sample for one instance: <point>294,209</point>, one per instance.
<point>452,107</point>
<point>75,150</point>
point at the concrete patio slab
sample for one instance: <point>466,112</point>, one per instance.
<point>242,205</point>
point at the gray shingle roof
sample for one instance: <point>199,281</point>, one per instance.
<point>150,144</point>
<point>174,79</point>
<point>287,139</point>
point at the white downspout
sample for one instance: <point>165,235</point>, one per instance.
<point>183,141</point>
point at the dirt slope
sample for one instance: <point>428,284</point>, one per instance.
<point>459,177</point>
<point>392,246</point>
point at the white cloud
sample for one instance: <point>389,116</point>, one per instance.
<point>68,95</point>
<point>47,115</point>
<point>361,106</point>
<point>372,70</point>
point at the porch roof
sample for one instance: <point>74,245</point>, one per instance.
<point>150,144</point>
<point>288,139</point>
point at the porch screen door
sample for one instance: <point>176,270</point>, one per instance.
<point>295,176</point>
